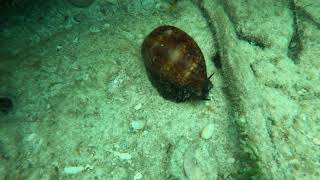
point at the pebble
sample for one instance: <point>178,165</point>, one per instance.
<point>106,25</point>
<point>76,40</point>
<point>137,176</point>
<point>73,169</point>
<point>122,156</point>
<point>94,29</point>
<point>207,131</point>
<point>138,107</point>
<point>31,137</point>
<point>316,141</point>
<point>59,47</point>
<point>137,124</point>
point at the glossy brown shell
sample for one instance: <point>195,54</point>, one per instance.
<point>175,64</point>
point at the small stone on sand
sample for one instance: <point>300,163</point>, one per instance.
<point>73,169</point>
<point>137,124</point>
<point>207,131</point>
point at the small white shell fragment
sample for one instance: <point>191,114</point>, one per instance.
<point>76,40</point>
<point>31,137</point>
<point>94,29</point>
<point>59,47</point>
<point>137,125</point>
<point>137,107</point>
<point>137,176</point>
<point>73,169</point>
<point>106,25</point>
<point>316,141</point>
<point>207,131</point>
<point>123,156</point>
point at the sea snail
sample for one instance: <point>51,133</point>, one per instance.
<point>175,64</point>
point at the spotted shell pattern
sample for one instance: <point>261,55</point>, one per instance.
<point>175,64</point>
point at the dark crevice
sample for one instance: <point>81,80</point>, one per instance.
<point>295,46</point>
<point>253,70</point>
<point>306,16</point>
<point>299,14</point>
<point>6,104</point>
<point>246,156</point>
<point>216,59</point>
<point>209,22</point>
<point>251,39</point>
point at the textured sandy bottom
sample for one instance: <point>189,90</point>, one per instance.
<point>84,107</point>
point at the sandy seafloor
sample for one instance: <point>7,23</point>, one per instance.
<point>84,107</point>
